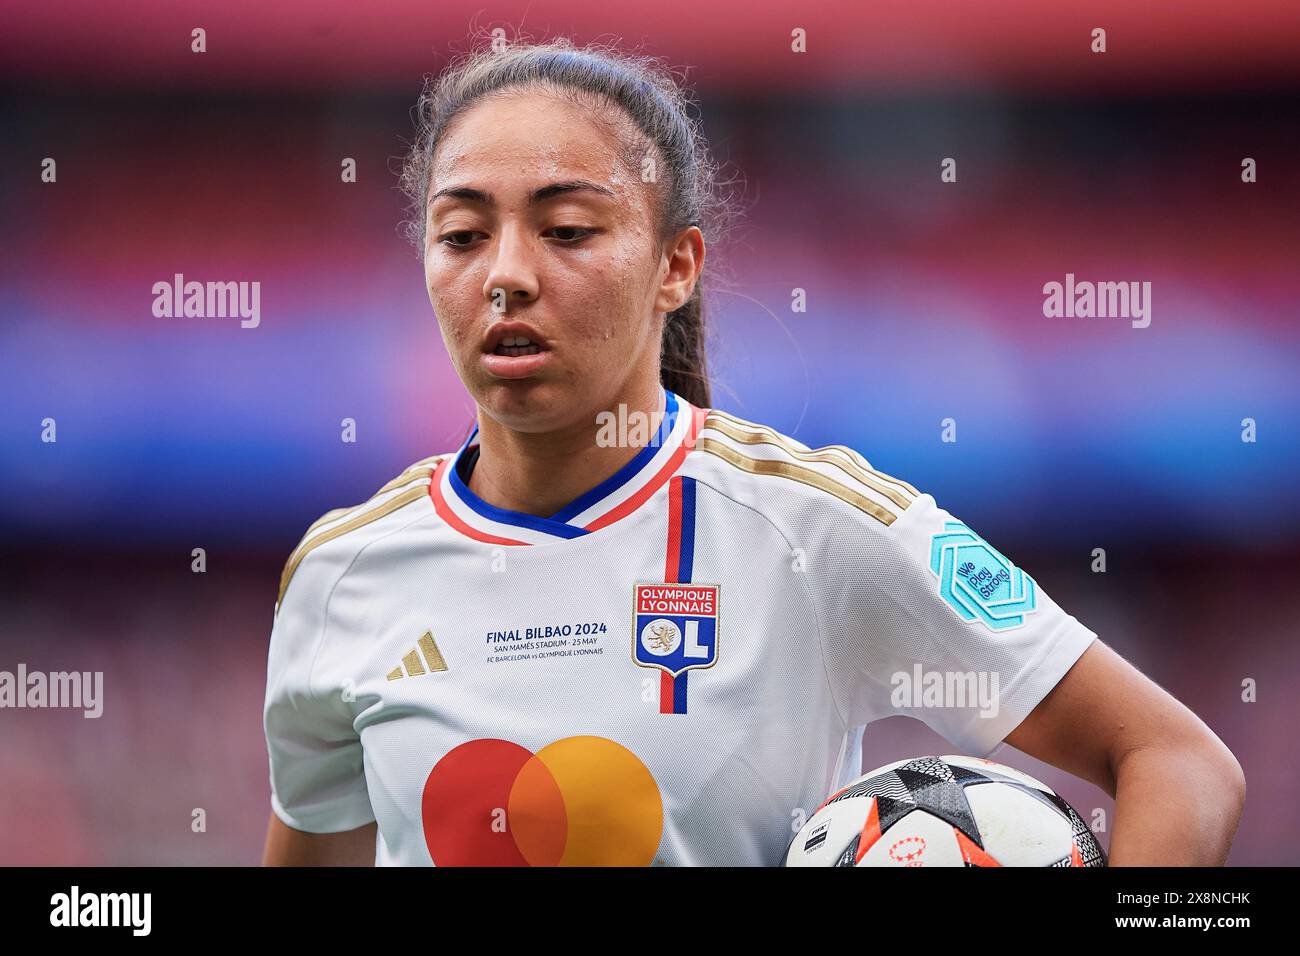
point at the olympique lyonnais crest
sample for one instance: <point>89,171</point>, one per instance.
<point>675,626</point>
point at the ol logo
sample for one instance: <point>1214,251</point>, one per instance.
<point>977,582</point>
<point>675,630</point>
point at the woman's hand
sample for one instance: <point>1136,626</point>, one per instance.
<point>1178,789</point>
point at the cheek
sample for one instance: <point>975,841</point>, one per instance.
<point>604,299</point>
<point>452,307</point>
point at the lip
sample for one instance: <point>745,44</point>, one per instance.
<point>497,332</point>
<point>513,366</point>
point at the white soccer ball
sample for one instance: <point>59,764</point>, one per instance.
<point>945,811</point>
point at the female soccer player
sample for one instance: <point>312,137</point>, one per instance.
<point>618,626</point>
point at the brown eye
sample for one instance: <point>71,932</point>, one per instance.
<point>568,236</point>
<point>452,238</point>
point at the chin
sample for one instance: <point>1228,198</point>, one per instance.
<point>528,404</point>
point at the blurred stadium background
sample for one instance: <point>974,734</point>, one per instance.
<point>925,301</point>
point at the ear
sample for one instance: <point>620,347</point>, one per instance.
<point>683,261</point>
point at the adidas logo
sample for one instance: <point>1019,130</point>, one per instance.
<point>413,665</point>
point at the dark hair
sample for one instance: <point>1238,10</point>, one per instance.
<point>594,76</point>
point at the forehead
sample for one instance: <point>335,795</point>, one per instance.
<point>524,137</point>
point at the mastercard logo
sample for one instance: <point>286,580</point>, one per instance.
<point>580,801</point>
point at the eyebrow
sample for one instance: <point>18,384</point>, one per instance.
<point>538,195</point>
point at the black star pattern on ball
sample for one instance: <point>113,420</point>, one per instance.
<point>939,788</point>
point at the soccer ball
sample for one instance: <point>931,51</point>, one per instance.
<point>945,811</point>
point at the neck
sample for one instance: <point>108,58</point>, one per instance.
<point>538,473</point>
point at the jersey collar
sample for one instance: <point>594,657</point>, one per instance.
<point>614,498</point>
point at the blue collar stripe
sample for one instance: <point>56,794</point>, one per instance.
<point>629,471</point>
<point>503,516</point>
<point>498,514</point>
<point>557,524</point>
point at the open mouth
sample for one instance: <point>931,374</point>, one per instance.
<point>519,352</point>
<point>516,346</point>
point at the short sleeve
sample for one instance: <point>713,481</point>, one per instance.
<point>318,779</point>
<point>923,617</point>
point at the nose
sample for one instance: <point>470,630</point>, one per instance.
<point>511,278</point>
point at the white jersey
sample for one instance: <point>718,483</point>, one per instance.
<point>674,669</point>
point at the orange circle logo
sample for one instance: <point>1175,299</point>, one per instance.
<point>580,801</point>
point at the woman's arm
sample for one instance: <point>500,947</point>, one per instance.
<point>286,846</point>
<point>1178,789</point>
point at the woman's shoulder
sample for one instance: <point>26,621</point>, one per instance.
<point>773,470</point>
<point>344,529</point>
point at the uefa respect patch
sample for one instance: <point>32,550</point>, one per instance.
<point>978,582</point>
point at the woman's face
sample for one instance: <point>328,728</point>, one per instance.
<point>538,232</point>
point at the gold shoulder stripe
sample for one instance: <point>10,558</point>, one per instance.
<point>326,518</point>
<point>405,478</point>
<point>417,472</point>
<point>421,469</point>
<point>365,518</point>
<point>852,454</point>
<point>787,469</point>
<point>763,435</point>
